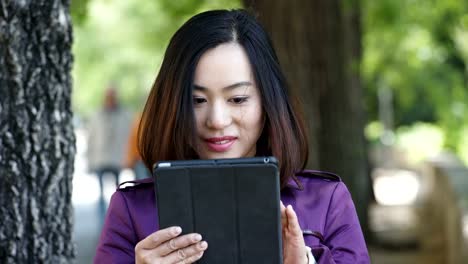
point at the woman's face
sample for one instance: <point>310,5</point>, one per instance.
<point>227,104</point>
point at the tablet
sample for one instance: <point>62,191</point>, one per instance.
<point>232,203</point>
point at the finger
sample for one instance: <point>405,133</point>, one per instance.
<point>293,222</point>
<point>159,237</point>
<point>283,213</point>
<point>177,243</point>
<point>191,259</point>
<point>188,254</point>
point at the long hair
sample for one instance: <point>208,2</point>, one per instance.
<point>168,131</point>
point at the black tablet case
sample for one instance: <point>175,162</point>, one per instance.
<point>232,203</point>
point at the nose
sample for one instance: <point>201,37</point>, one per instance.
<point>219,116</point>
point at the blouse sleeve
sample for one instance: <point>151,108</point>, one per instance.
<point>118,240</point>
<point>343,238</point>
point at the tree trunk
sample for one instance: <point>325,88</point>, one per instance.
<point>37,142</point>
<point>319,46</point>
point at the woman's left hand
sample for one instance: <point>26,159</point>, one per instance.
<point>294,249</point>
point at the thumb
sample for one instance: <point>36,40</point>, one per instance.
<point>293,222</point>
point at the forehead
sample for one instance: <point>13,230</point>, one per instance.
<point>222,66</point>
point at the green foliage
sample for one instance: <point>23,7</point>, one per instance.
<point>79,11</point>
<point>414,141</point>
<point>418,49</point>
<point>463,147</point>
<point>122,42</point>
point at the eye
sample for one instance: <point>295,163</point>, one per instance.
<point>198,100</point>
<point>239,99</point>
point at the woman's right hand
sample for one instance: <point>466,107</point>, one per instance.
<point>166,247</point>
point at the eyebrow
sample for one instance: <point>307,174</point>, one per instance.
<point>229,87</point>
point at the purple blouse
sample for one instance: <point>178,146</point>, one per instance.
<point>324,207</point>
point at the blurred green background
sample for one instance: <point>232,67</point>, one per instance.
<point>122,42</point>
<point>414,61</point>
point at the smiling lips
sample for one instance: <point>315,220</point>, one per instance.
<point>220,144</point>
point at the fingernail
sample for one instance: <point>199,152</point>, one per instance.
<point>203,244</point>
<point>176,230</point>
<point>196,238</point>
<point>290,207</point>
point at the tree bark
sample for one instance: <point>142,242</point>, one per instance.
<point>319,46</point>
<point>37,142</point>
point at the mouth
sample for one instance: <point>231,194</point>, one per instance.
<point>220,144</point>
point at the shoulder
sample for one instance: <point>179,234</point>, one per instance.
<point>137,190</point>
<point>326,186</point>
<point>307,179</point>
<point>131,217</point>
<point>143,184</point>
<point>319,175</point>
<point>137,200</point>
<point>315,193</point>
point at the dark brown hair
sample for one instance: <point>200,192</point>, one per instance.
<point>168,131</point>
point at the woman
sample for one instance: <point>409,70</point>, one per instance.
<point>220,93</point>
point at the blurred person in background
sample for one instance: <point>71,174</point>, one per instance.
<point>133,158</point>
<point>107,138</point>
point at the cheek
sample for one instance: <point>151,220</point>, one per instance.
<point>252,119</point>
<point>199,117</point>
<point>258,116</point>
